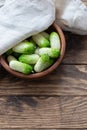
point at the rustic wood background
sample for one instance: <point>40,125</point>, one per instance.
<point>58,101</point>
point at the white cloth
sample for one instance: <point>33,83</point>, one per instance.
<point>20,19</point>
<point>2,2</point>
<point>72,16</point>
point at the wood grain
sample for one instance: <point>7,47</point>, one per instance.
<point>40,129</point>
<point>57,102</point>
<point>66,80</point>
<point>43,112</point>
<point>43,129</point>
<point>85,1</point>
<point>76,51</point>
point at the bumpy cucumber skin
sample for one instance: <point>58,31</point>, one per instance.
<point>35,56</point>
<point>55,40</point>
<point>41,41</point>
<point>20,67</point>
<point>43,63</point>
<point>25,48</point>
<point>46,35</point>
<point>37,50</point>
<point>52,52</point>
<point>29,59</point>
<point>11,58</point>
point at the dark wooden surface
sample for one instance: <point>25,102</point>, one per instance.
<point>59,101</point>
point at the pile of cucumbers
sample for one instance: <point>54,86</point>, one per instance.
<point>36,54</point>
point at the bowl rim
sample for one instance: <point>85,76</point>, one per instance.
<point>45,72</point>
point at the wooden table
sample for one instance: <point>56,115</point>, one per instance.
<point>57,101</point>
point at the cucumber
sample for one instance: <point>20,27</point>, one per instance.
<point>29,59</point>
<point>24,48</point>
<point>20,67</point>
<point>55,40</point>
<point>43,63</point>
<point>40,40</point>
<point>52,52</point>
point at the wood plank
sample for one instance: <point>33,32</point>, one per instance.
<point>76,50</point>
<point>66,80</point>
<point>43,129</point>
<point>85,1</point>
<point>34,129</point>
<point>43,112</point>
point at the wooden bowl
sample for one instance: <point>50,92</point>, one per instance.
<point>54,27</point>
